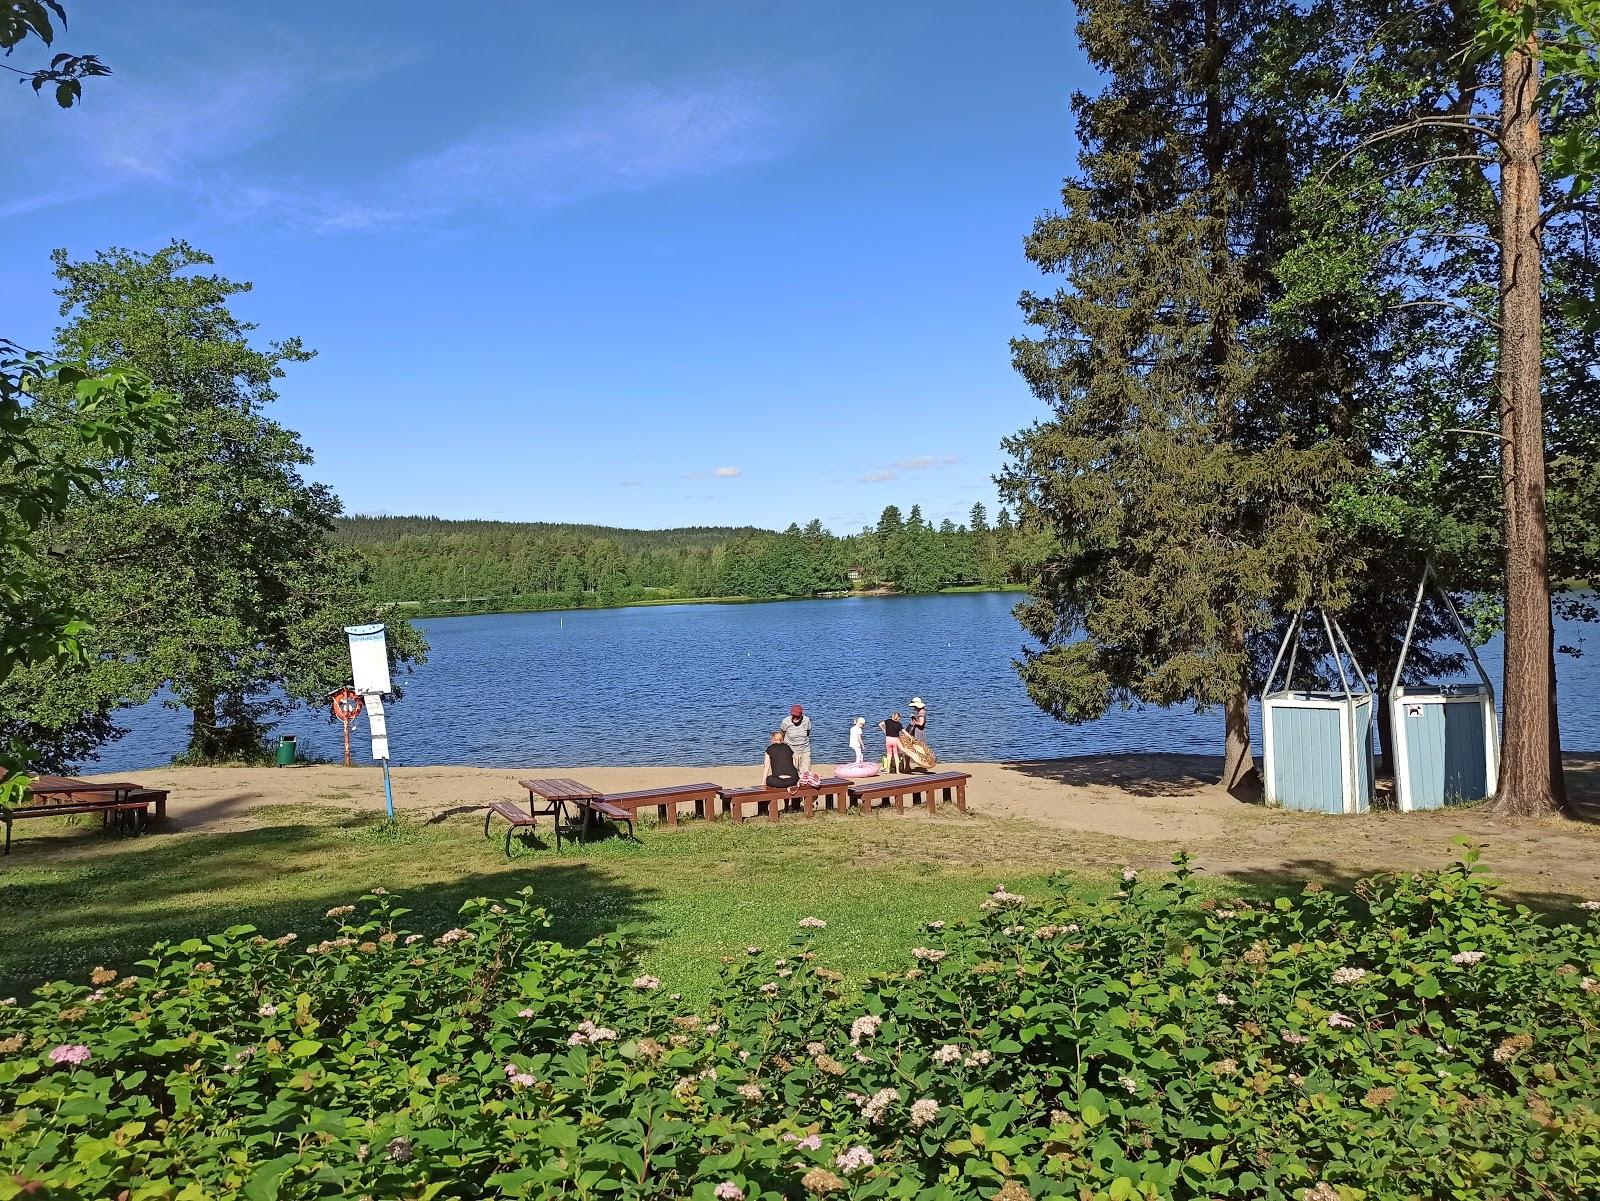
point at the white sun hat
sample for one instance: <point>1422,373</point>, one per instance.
<point>916,703</point>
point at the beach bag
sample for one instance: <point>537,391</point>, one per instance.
<point>809,779</point>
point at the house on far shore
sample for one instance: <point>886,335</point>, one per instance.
<point>853,574</point>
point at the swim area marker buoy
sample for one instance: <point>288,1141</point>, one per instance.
<point>347,706</point>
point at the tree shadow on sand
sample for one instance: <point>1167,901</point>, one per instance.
<point>1142,775</point>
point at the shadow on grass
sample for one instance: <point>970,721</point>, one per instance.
<point>77,900</point>
<point>1292,875</point>
<point>1153,775</point>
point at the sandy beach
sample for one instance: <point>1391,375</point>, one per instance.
<point>1090,810</point>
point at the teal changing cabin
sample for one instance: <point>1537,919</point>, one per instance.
<point>1318,742</point>
<point>1446,739</point>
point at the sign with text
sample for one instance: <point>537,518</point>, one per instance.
<point>369,659</point>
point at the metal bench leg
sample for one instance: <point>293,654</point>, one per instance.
<point>510,830</point>
<point>486,818</point>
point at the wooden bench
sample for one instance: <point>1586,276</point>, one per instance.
<point>151,796</point>
<point>666,800</point>
<point>518,819</point>
<point>949,784</point>
<point>124,810</point>
<point>833,793</point>
<point>591,809</point>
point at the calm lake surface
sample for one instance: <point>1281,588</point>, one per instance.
<point>704,685</point>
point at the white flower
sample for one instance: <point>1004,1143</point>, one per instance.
<point>875,1108</point>
<point>268,1011</point>
<point>7,1002</point>
<point>811,1142</point>
<point>413,938</point>
<point>936,925</point>
<point>1467,958</point>
<point>752,950</point>
<point>1292,1038</point>
<point>1589,905</point>
<point>1339,1022</point>
<point>856,1159</point>
<point>588,1032</point>
<point>924,1111</point>
<point>646,982</point>
<point>1349,975</point>
<point>812,923</point>
<point>341,910</point>
<point>770,989</point>
<point>1225,1000</point>
<point>1129,875</point>
<point>979,1059</point>
<point>927,955</point>
<point>1129,1083</point>
<point>864,1027</point>
<point>750,1092</point>
<point>728,1191</point>
<point>524,1013</point>
<point>949,1053</point>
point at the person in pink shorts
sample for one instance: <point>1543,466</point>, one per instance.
<point>891,728</point>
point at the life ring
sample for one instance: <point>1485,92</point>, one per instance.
<point>347,704</point>
<point>856,771</point>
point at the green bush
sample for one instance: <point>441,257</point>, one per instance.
<point>1418,1039</point>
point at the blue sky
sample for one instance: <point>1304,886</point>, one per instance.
<point>637,263</point>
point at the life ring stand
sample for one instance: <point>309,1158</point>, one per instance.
<point>348,704</point>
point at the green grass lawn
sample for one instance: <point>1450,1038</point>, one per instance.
<point>74,898</point>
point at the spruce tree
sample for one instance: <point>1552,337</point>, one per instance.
<point>1185,490</point>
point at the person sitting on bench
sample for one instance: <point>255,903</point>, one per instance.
<point>779,763</point>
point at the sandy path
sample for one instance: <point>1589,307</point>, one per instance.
<point>1153,805</point>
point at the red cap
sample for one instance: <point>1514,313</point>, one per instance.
<point>796,711</point>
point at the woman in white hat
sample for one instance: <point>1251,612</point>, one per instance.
<point>918,722</point>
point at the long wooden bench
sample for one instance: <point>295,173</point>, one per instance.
<point>518,819</point>
<point>124,810</point>
<point>833,793</point>
<point>666,800</point>
<point>945,785</point>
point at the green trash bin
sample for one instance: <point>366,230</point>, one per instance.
<point>286,750</point>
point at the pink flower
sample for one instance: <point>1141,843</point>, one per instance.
<point>769,989</point>
<point>927,955</point>
<point>1292,1038</point>
<point>341,910</point>
<point>878,1105</point>
<point>1339,1022</point>
<point>811,1142</point>
<point>517,1076</point>
<point>750,1092</point>
<point>524,1013</point>
<point>1129,875</point>
<point>856,1159</point>
<point>268,1011</point>
<point>73,1053</point>
<point>936,925</point>
<point>813,923</point>
<point>752,950</point>
<point>924,1111</point>
<point>1467,958</point>
<point>979,1059</point>
<point>729,1191</point>
<point>947,1054</point>
<point>646,982</point>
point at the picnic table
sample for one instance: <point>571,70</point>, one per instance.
<point>559,792</point>
<point>59,796</point>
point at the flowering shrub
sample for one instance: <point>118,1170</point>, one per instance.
<point>1419,1039</point>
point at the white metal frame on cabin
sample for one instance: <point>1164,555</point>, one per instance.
<point>1351,800</point>
<point>1397,700</point>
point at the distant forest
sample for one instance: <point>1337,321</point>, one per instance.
<point>443,567</point>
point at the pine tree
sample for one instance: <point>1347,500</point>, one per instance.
<point>1184,490</point>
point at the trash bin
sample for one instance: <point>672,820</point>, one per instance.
<point>286,750</point>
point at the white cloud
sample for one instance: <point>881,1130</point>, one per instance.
<point>878,477</point>
<point>924,462</point>
<point>728,473</point>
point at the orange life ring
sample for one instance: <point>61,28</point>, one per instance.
<point>347,704</point>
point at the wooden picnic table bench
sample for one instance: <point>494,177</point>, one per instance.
<point>518,821</point>
<point>833,793</point>
<point>948,783</point>
<point>61,796</point>
<point>560,791</point>
<point>666,800</point>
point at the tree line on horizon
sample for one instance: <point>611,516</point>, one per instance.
<point>442,566</point>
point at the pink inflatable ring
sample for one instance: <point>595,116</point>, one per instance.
<point>856,771</point>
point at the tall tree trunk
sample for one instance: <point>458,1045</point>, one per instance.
<point>1239,774</point>
<point>1386,756</point>
<point>1530,769</point>
<point>203,728</point>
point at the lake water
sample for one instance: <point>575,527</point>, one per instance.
<point>705,684</point>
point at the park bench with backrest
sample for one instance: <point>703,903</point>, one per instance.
<point>666,800</point>
<point>945,786</point>
<point>833,793</point>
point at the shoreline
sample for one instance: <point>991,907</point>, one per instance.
<point>1104,810</point>
<point>427,610</point>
